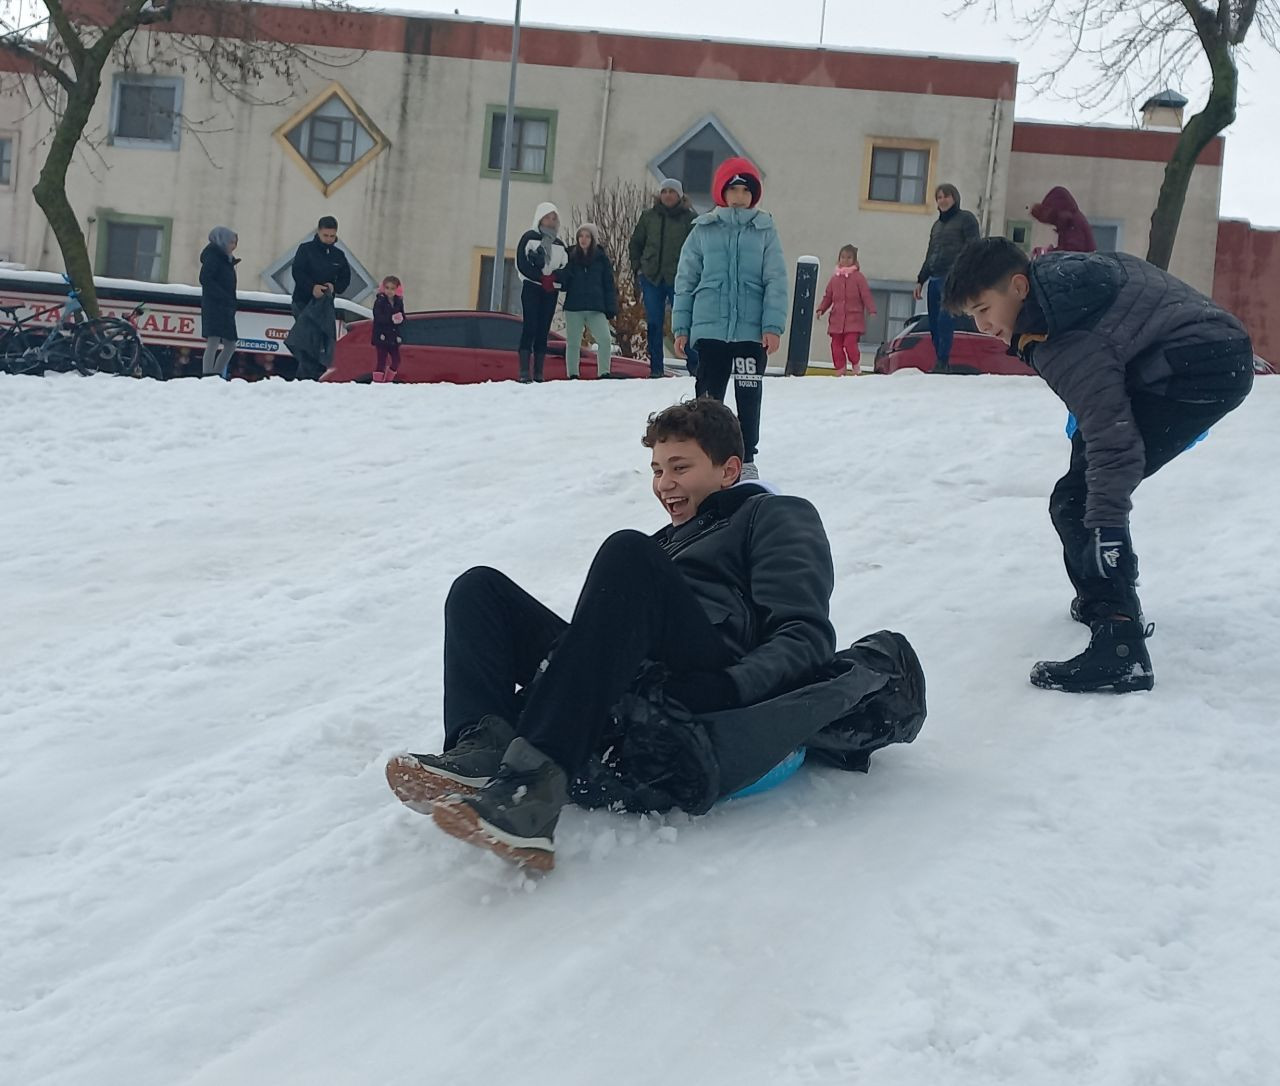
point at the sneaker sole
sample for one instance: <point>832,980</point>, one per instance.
<point>418,787</point>
<point>460,820</point>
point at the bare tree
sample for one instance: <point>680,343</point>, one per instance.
<point>616,209</point>
<point>1137,47</point>
<point>63,48</point>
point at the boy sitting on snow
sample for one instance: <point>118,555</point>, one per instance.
<point>727,606</point>
<point>1146,365</point>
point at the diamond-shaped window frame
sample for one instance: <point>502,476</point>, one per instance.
<point>380,142</point>
<point>707,120</point>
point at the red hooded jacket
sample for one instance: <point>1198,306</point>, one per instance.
<point>1060,210</point>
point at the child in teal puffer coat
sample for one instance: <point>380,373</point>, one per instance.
<point>731,296</point>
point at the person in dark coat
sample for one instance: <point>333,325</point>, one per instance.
<point>656,241</point>
<point>312,338</point>
<point>1060,210</point>
<point>952,231</point>
<point>1146,365</point>
<point>540,260</point>
<point>388,317</point>
<point>218,300</point>
<point>730,600</point>
<point>319,266</point>
<point>590,300</point>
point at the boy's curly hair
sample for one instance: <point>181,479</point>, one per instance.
<point>708,422</point>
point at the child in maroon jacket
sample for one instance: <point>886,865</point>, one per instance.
<point>1060,210</point>
<point>388,315</point>
<point>848,297</point>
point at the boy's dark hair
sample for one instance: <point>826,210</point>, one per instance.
<point>328,222</point>
<point>984,264</point>
<point>948,189</point>
<point>708,422</point>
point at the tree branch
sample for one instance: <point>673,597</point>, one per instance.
<point>67,32</point>
<point>38,60</point>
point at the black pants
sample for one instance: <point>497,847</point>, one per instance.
<point>538,306</point>
<point>745,363</point>
<point>634,607</point>
<point>1168,427</point>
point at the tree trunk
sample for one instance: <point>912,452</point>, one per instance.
<point>1218,113</point>
<point>50,189</point>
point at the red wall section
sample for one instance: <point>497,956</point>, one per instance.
<point>1246,280</point>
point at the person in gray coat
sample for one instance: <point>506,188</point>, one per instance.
<point>1146,365</point>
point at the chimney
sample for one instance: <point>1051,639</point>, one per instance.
<point>1164,111</point>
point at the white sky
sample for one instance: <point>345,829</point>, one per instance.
<point>1253,151</point>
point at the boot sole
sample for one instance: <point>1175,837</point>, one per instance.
<point>460,820</point>
<point>1126,686</point>
<point>418,787</point>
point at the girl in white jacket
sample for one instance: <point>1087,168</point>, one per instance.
<point>540,259</point>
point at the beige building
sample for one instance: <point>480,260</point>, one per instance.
<point>397,134</point>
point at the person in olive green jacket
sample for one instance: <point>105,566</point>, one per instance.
<point>655,254</point>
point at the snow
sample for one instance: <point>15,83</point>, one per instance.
<point>222,613</point>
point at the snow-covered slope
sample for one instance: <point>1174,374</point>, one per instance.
<point>221,611</point>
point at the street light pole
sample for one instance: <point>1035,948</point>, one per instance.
<point>822,26</point>
<point>508,124</point>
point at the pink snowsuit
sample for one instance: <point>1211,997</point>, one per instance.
<point>848,297</point>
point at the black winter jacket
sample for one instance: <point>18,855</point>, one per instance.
<point>217,293</point>
<point>312,337</point>
<point>589,287</point>
<point>315,262</point>
<point>1101,327</point>
<point>530,258</point>
<point>385,330</point>
<point>951,232</point>
<point>761,567</point>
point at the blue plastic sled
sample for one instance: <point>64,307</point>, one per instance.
<point>779,773</point>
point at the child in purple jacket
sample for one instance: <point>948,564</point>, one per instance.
<point>388,315</point>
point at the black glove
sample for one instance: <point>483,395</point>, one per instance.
<point>1109,554</point>
<point>702,691</point>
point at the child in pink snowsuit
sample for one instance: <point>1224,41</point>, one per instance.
<point>848,297</point>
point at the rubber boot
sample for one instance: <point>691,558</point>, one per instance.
<point>538,360</point>
<point>524,367</point>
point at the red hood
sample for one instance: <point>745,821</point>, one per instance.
<point>728,168</point>
<point>1057,205</point>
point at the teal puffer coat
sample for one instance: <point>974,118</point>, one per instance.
<point>732,281</point>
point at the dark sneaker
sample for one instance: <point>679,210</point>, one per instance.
<point>420,779</point>
<point>1116,662</point>
<point>515,814</point>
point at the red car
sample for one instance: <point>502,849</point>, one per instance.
<point>971,351</point>
<point>461,347</point>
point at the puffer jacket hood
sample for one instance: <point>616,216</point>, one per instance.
<point>541,212</point>
<point>734,167</point>
<point>1060,210</point>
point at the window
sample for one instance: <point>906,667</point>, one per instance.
<point>895,306</point>
<point>898,174</point>
<point>693,159</point>
<point>331,139</point>
<point>1108,234</point>
<point>496,334</point>
<point>280,274</point>
<point>437,332</point>
<point>146,111</point>
<point>510,288</point>
<point>133,247</point>
<point>533,142</point>
<point>1018,231</point>
<point>6,160</point>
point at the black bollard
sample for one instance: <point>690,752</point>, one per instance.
<point>802,306</point>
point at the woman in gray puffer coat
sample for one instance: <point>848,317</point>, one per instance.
<point>954,229</point>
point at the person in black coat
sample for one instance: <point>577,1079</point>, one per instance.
<point>540,260</point>
<point>218,300</point>
<point>319,266</point>
<point>731,599</point>
<point>388,317</point>
<point>590,300</point>
<point>951,232</point>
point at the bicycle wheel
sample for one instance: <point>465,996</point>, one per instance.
<point>145,365</point>
<point>106,345</point>
<point>14,349</point>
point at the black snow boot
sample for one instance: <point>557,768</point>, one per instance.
<point>538,360</point>
<point>1116,662</point>
<point>420,779</point>
<point>515,814</point>
<point>524,367</point>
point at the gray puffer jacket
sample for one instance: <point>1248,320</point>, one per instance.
<point>1103,327</point>
<point>760,566</point>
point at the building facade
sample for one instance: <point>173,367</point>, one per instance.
<point>394,127</point>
